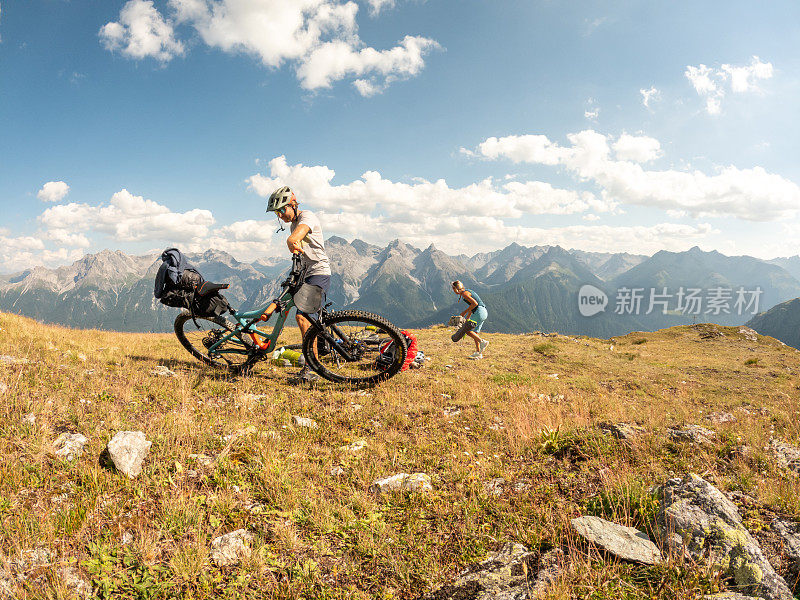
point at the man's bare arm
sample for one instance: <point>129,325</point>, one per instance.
<point>293,241</point>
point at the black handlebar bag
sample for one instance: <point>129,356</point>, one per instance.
<point>308,299</point>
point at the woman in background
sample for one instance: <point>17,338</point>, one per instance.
<point>476,311</point>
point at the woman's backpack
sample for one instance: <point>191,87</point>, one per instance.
<point>180,285</point>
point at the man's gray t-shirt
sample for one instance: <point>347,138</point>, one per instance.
<point>313,256</point>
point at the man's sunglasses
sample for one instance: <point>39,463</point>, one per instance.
<point>281,210</point>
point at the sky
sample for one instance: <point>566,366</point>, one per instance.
<point>615,126</point>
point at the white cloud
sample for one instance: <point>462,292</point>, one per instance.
<point>141,32</point>
<point>318,37</point>
<point>638,148</point>
<point>402,201</point>
<point>334,61</point>
<point>53,191</point>
<point>592,114</point>
<point>649,95</point>
<point>743,78</point>
<point>127,218</point>
<point>750,194</point>
<point>710,83</point>
<point>376,6</point>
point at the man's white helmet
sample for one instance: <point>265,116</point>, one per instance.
<point>280,198</point>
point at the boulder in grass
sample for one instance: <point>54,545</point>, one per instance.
<point>69,446</point>
<point>403,482</point>
<point>788,456</point>
<point>694,434</point>
<point>231,548</point>
<point>128,450</point>
<point>512,573</point>
<point>696,518</point>
<point>627,543</point>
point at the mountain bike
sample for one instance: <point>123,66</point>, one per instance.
<point>342,346</point>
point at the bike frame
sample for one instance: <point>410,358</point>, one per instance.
<point>247,325</point>
<point>247,321</point>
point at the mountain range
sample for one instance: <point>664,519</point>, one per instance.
<point>524,288</point>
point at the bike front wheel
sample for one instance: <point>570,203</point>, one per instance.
<point>231,354</point>
<point>376,347</point>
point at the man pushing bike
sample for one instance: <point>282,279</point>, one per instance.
<point>305,238</point>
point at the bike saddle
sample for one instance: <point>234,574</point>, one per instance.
<point>206,288</point>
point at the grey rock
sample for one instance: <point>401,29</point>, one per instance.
<point>128,450</point>
<point>749,334</point>
<point>163,371</point>
<point>694,434</point>
<point>729,596</point>
<point>29,419</point>
<point>13,360</point>
<point>696,518</point>
<point>494,487</point>
<point>30,560</point>
<point>3,389</point>
<point>788,456</point>
<point>304,422</point>
<point>79,587</point>
<point>231,548</point>
<point>722,417</point>
<point>622,431</point>
<point>202,459</point>
<point>790,536</point>
<point>356,446</point>
<point>337,472</point>
<point>627,543</point>
<point>505,575</point>
<point>403,482</point>
<point>69,446</point>
<point>451,411</point>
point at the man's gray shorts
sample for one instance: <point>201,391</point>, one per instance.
<point>311,295</point>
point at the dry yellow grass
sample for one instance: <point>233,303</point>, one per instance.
<point>529,414</point>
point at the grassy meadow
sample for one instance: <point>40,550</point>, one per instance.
<point>529,414</point>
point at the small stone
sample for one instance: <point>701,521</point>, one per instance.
<point>82,357</point>
<point>69,446</point>
<point>355,407</point>
<point>337,472</point>
<point>692,433</point>
<point>788,456</point>
<point>730,596</point>
<point>254,397</point>
<point>355,446</point>
<point>622,431</point>
<point>231,548</point>
<point>627,543</point>
<point>13,360</point>
<point>128,450</point>
<point>3,389</point>
<point>722,417</point>
<point>29,419</point>
<point>494,487</point>
<point>553,376</point>
<point>418,482</point>
<point>126,539</point>
<point>79,587</point>
<point>304,422</point>
<point>204,460</point>
<point>249,430</point>
<point>451,411</point>
<point>163,371</point>
<point>30,559</point>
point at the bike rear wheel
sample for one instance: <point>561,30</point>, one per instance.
<point>362,335</point>
<point>232,354</point>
